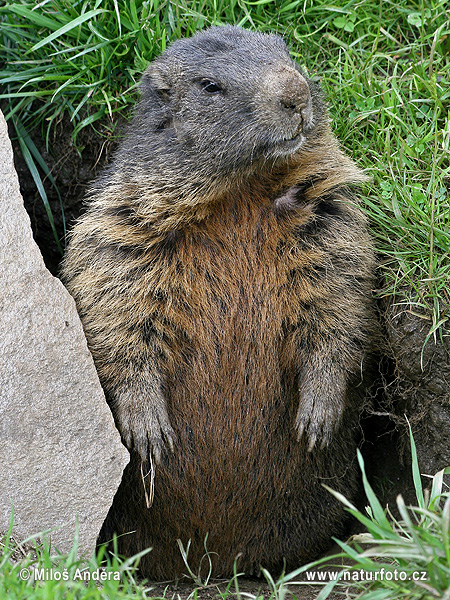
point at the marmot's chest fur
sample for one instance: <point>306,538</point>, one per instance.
<point>228,309</point>
<point>230,281</point>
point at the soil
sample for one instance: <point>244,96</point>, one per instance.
<point>421,385</point>
<point>73,167</point>
<point>247,587</point>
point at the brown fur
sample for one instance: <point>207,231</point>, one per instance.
<point>230,326</point>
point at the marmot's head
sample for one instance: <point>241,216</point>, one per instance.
<point>223,100</point>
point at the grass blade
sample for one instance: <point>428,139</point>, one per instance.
<point>39,184</point>
<point>415,470</point>
<point>23,134</point>
<point>66,28</point>
<point>378,512</point>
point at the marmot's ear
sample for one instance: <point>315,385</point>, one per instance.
<point>155,82</point>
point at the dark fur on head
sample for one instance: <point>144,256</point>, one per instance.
<point>223,274</point>
<point>194,146</point>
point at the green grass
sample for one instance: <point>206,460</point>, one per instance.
<point>33,570</point>
<point>406,558</point>
<point>384,66</point>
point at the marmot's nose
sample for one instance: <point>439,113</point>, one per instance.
<point>291,92</point>
<point>294,92</point>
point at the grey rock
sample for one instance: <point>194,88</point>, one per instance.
<point>61,458</point>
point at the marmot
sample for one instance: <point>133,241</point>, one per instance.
<point>223,274</point>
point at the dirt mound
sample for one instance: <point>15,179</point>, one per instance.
<point>420,388</point>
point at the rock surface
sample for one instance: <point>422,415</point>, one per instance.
<point>61,458</point>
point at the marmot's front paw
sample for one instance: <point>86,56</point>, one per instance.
<point>144,426</point>
<point>318,417</point>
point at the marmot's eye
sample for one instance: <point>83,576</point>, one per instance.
<point>211,87</point>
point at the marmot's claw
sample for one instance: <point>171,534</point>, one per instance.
<point>300,426</point>
<point>170,437</point>
<point>317,420</point>
<point>156,452</point>
<point>160,436</point>
<point>312,441</point>
<point>157,444</point>
<point>146,429</point>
